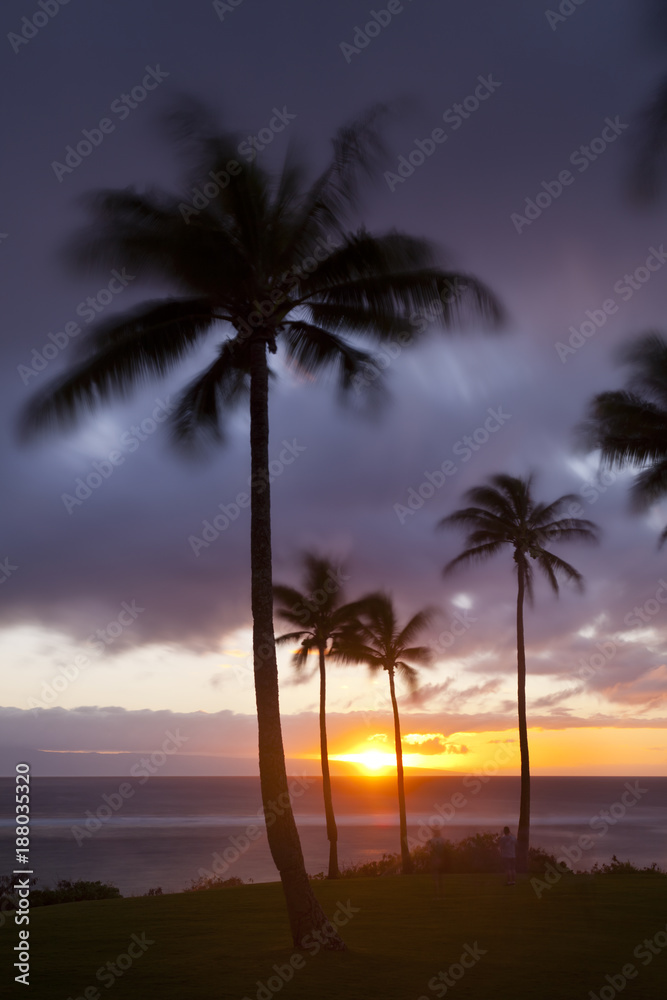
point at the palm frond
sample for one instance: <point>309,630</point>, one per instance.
<point>408,674</point>
<point>125,351</point>
<point>553,566</point>
<point>477,554</point>
<point>203,405</point>
<point>423,655</point>
<point>649,486</point>
<point>290,637</point>
<point>417,624</point>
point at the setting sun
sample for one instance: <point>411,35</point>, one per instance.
<point>372,760</point>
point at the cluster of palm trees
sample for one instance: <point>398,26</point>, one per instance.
<point>503,513</point>
<point>249,265</point>
<point>363,631</point>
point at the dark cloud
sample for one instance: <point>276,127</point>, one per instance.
<point>130,539</point>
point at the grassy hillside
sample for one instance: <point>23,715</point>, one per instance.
<point>226,943</point>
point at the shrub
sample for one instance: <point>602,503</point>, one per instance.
<point>616,867</point>
<point>205,882</point>
<point>477,854</point>
<point>73,892</point>
<point>64,891</point>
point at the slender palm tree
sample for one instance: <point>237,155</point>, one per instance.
<point>320,617</point>
<point>505,513</point>
<point>260,260</point>
<point>629,425</point>
<point>382,644</point>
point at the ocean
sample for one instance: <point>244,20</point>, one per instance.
<point>165,831</point>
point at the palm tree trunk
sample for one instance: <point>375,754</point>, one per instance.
<point>304,911</point>
<point>406,860</point>
<point>523,832</point>
<point>332,832</point>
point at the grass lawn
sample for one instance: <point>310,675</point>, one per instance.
<point>218,944</point>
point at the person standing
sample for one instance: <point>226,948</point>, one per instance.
<point>507,848</point>
<point>438,858</point>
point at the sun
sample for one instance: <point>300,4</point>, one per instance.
<point>372,760</point>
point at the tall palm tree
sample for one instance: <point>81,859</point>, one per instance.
<point>629,425</point>
<point>260,260</point>
<point>320,617</point>
<point>505,513</point>
<point>382,644</point>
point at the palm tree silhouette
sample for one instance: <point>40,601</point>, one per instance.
<point>629,425</point>
<point>275,262</point>
<point>505,513</point>
<point>379,642</point>
<point>320,617</point>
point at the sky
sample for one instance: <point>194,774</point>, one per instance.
<point>124,628</point>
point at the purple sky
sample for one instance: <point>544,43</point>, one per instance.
<point>550,89</point>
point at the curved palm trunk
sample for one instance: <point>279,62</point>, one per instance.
<point>304,911</point>
<point>332,832</point>
<point>523,832</point>
<point>406,860</point>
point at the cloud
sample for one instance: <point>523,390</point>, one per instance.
<point>648,691</point>
<point>555,699</point>
<point>130,539</point>
<point>430,694</point>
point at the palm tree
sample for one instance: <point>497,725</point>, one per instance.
<point>379,642</point>
<point>320,617</point>
<point>505,513</point>
<point>629,425</point>
<point>263,260</point>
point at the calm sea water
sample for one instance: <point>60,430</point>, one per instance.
<point>170,828</point>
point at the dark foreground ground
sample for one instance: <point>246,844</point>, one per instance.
<point>481,940</point>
